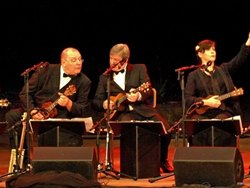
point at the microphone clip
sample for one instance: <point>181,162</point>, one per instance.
<point>199,103</point>
<point>111,67</point>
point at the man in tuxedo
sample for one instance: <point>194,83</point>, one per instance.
<point>132,80</point>
<point>54,91</point>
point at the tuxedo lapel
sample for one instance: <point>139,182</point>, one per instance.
<point>72,81</point>
<point>128,75</point>
<point>57,80</point>
<point>54,74</point>
<point>114,85</point>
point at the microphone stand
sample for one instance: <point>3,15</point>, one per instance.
<point>108,169</point>
<point>17,170</point>
<point>14,161</point>
<point>108,163</point>
<point>26,81</point>
<point>190,110</point>
<point>182,85</point>
<point>25,74</point>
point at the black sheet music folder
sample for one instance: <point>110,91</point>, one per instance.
<point>59,132</point>
<point>72,125</point>
<point>119,127</point>
<point>232,125</point>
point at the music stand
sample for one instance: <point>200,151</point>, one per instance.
<point>59,132</point>
<point>153,126</point>
<point>230,127</point>
<point>139,147</point>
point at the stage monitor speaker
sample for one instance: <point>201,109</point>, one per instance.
<point>81,160</point>
<point>214,166</point>
<point>140,153</point>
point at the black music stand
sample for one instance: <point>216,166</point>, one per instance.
<point>59,132</point>
<point>213,132</point>
<point>139,147</point>
<point>153,126</point>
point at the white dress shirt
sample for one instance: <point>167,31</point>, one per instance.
<point>63,80</point>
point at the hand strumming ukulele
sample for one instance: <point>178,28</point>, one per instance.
<point>48,109</point>
<point>119,100</point>
<point>237,92</point>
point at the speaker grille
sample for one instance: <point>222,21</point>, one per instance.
<point>80,160</point>
<point>216,166</point>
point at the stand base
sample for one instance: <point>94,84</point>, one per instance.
<point>108,171</point>
<point>152,180</point>
<point>14,173</point>
<point>247,176</point>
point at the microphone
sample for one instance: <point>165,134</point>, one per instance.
<point>118,64</point>
<point>39,65</point>
<point>209,63</point>
<point>43,64</point>
<point>205,66</point>
<point>199,103</point>
<point>121,63</point>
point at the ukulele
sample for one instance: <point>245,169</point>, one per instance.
<point>48,109</point>
<point>237,92</point>
<point>121,98</point>
<point>18,156</point>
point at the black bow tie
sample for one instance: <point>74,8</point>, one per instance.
<point>67,75</point>
<point>120,71</point>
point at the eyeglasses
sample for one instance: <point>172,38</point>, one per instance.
<point>117,59</point>
<point>75,60</point>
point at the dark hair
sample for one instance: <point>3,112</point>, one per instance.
<point>204,45</point>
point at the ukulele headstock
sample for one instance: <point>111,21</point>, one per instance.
<point>237,92</point>
<point>4,103</point>
<point>144,87</point>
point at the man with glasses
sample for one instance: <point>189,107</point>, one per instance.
<point>54,91</point>
<point>133,82</point>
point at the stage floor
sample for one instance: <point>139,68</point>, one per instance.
<point>167,180</point>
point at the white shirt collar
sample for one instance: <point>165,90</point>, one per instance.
<point>63,80</point>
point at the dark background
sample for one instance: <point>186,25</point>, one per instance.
<point>161,34</point>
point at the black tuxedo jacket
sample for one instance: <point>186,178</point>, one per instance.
<point>136,75</point>
<point>44,86</point>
